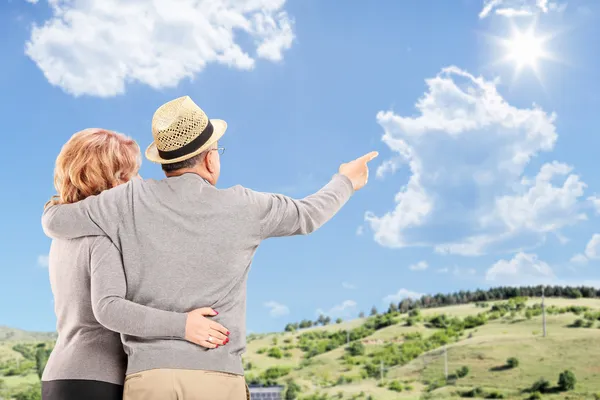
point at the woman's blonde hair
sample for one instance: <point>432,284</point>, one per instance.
<point>92,161</point>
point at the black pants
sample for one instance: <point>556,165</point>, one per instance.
<point>73,389</point>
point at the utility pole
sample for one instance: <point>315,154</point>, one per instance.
<point>446,361</point>
<point>543,312</point>
<point>347,337</point>
<point>381,371</point>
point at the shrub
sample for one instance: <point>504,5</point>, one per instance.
<point>344,379</point>
<point>395,386</point>
<point>535,396</point>
<point>567,380</point>
<point>276,372</point>
<point>512,362</point>
<point>287,354</point>
<point>462,372</point>
<point>476,392</point>
<point>408,388</point>
<point>261,350</point>
<point>292,390</point>
<point>275,352</point>
<point>541,385</point>
<point>356,349</point>
<point>494,395</point>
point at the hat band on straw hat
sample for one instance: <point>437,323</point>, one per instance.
<point>191,146</point>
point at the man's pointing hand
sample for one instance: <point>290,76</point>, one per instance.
<point>358,170</point>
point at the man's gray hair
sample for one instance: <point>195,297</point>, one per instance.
<point>189,163</point>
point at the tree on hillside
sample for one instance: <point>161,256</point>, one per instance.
<point>356,349</point>
<point>566,380</point>
<point>339,321</point>
<point>393,308</point>
<point>405,305</point>
<point>466,297</point>
<point>292,390</point>
<point>305,324</point>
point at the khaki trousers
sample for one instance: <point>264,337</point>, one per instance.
<point>185,384</point>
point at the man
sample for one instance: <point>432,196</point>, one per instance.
<point>186,243</point>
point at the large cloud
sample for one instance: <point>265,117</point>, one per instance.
<point>467,149</point>
<point>96,47</point>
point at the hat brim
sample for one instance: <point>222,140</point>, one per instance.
<point>219,127</point>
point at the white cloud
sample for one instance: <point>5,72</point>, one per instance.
<point>444,270</point>
<point>400,295</point>
<point>360,231</point>
<point>467,150</point>
<point>420,266</point>
<point>595,202</point>
<point>519,8</point>
<point>579,259</point>
<point>347,285</point>
<point>276,309</point>
<point>346,308</point>
<point>592,249</point>
<point>96,47</point>
<point>522,269</point>
<point>43,261</point>
<point>32,1</point>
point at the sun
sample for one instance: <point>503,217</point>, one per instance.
<point>525,49</point>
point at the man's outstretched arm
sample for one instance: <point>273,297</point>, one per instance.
<point>95,215</point>
<point>279,215</point>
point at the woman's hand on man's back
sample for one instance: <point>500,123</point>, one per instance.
<point>202,331</point>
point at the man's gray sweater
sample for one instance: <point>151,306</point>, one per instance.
<point>186,244</point>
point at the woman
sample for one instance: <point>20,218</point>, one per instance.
<point>89,285</point>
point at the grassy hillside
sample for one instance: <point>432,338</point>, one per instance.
<point>484,350</point>
<point>18,364</point>
<point>479,338</point>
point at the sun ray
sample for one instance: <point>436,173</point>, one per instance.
<point>524,49</point>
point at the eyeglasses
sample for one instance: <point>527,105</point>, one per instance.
<point>221,150</point>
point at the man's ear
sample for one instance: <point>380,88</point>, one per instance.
<point>209,162</point>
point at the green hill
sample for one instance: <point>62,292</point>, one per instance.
<point>401,355</point>
<point>413,358</point>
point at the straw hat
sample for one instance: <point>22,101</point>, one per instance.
<point>181,130</point>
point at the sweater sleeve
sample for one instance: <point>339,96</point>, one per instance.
<point>111,309</point>
<point>95,215</point>
<point>279,215</point>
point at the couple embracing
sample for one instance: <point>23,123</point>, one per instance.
<point>149,276</point>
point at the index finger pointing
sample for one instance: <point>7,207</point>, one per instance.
<point>369,156</point>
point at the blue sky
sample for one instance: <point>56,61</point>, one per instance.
<point>485,176</point>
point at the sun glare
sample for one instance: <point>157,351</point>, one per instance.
<point>525,49</point>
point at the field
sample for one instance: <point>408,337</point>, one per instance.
<point>483,349</point>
